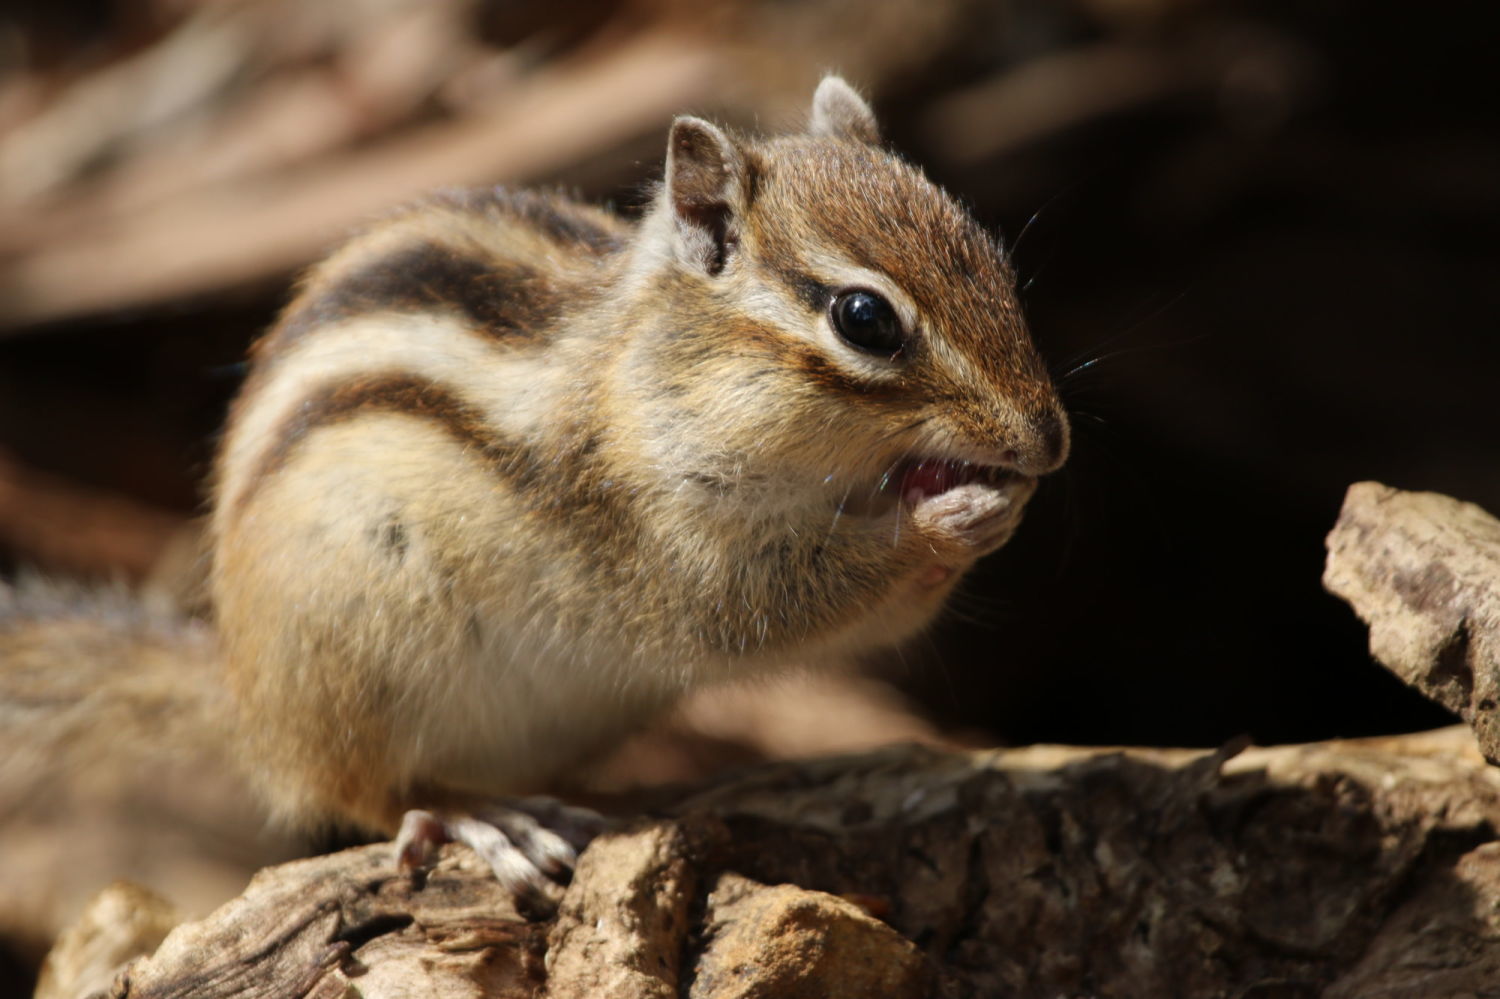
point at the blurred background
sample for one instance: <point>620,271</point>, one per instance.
<point>1262,237</point>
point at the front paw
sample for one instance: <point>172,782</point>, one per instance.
<point>972,519</point>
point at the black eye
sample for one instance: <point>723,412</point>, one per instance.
<point>868,322</point>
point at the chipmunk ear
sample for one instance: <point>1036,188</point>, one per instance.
<point>704,188</point>
<point>838,112</point>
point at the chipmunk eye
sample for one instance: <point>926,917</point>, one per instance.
<point>868,322</point>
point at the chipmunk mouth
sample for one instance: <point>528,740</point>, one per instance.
<point>915,481</point>
<point>912,481</point>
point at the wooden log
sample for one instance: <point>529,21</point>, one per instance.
<point>1341,869</point>
<point>1423,571</point>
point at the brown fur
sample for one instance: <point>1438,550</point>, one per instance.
<point>510,474</point>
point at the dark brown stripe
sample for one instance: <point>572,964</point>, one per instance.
<point>814,293</point>
<point>570,488</point>
<point>502,300</point>
<point>558,218</point>
<point>825,373</point>
<point>803,358</point>
<point>418,397</point>
<point>753,170</point>
<point>565,223</point>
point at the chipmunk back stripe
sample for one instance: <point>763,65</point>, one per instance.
<point>564,225</point>
<point>500,299</point>
<point>569,223</point>
<point>391,392</point>
<point>466,425</point>
<point>505,386</point>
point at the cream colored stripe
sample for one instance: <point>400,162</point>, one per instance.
<point>512,388</point>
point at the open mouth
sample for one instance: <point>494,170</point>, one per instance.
<point>914,481</point>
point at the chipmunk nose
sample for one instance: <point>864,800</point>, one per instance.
<point>1052,431</point>
<point>1047,448</point>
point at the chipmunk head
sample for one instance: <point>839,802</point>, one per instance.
<point>836,319</point>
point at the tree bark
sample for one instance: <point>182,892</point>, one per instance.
<point>1362,868</point>
<point>1423,571</point>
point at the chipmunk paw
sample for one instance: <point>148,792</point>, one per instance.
<point>531,844</point>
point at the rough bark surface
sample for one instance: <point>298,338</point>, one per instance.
<point>1341,869</point>
<point>1423,571</point>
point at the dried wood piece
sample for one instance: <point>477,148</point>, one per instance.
<point>348,924</point>
<point>621,928</point>
<point>251,136</point>
<point>123,921</point>
<point>788,941</point>
<point>562,114</point>
<point>1423,571</point>
<point>1302,870</point>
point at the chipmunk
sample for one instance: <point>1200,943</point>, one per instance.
<point>511,473</point>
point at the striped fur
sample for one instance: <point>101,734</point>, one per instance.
<point>511,473</point>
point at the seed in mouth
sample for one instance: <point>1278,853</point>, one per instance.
<point>918,480</point>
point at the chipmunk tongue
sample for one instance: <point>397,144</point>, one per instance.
<point>931,478</point>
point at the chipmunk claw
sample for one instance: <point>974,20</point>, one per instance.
<point>531,844</point>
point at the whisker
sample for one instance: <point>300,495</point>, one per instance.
<point>1092,362</point>
<point>883,481</point>
<point>1046,206</point>
<point>1081,391</point>
<point>1036,275</point>
<point>1073,362</point>
<point>838,512</point>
